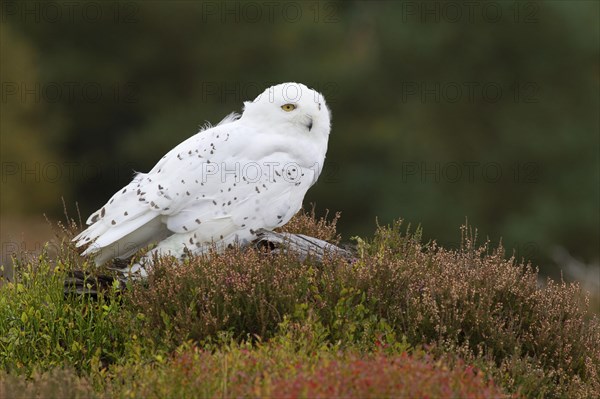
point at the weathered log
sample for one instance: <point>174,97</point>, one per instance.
<point>80,283</point>
<point>299,245</point>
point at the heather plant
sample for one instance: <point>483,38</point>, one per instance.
<point>298,361</point>
<point>246,291</point>
<point>309,224</point>
<point>271,370</point>
<point>478,303</point>
<point>472,301</point>
<point>242,317</point>
<point>242,369</point>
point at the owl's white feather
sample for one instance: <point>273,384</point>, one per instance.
<point>222,184</point>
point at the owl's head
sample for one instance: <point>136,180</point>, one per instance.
<point>291,103</point>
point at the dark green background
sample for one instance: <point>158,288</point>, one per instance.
<point>441,110</point>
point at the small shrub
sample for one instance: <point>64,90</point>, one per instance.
<point>57,383</point>
<point>383,377</point>
<point>239,290</point>
<point>344,320</point>
<point>40,328</point>
<point>308,224</point>
<point>471,301</point>
<point>275,370</point>
<point>476,302</point>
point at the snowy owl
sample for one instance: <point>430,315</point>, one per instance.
<point>218,187</point>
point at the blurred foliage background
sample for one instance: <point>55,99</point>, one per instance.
<point>442,111</point>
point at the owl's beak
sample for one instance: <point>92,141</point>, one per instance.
<point>309,124</point>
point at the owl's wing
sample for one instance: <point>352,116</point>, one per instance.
<point>241,205</point>
<point>211,186</point>
<point>138,214</point>
<point>258,195</point>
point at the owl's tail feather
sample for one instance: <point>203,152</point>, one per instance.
<point>123,242</point>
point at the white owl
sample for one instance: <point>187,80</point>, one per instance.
<point>221,185</point>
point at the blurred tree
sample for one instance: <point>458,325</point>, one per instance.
<point>437,116</point>
<point>30,136</point>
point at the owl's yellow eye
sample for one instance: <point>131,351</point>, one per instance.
<point>288,107</point>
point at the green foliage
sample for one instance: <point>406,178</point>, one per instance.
<point>245,322</point>
<point>273,370</point>
<point>41,329</point>
<point>352,326</point>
